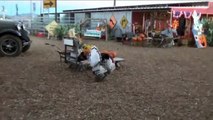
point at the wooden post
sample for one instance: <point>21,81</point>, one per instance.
<point>65,59</point>
<point>143,24</point>
<point>170,16</point>
<point>106,31</point>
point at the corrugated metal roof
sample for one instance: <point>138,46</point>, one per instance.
<point>138,7</point>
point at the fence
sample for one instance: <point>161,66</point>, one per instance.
<point>37,24</point>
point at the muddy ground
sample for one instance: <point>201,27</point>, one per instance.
<point>152,84</point>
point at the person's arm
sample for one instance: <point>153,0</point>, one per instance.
<point>175,32</point>
<point>165,32</point>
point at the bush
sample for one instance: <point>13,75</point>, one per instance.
<point>62,30</point>
<point>208,31</point>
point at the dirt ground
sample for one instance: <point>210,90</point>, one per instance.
<point>152,84</point>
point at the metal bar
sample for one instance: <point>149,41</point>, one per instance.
<point>56,15</point>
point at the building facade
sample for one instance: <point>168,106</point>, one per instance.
<point>143,18</point>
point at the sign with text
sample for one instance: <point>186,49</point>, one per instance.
<point>93,33</point>
<point>49,3</point>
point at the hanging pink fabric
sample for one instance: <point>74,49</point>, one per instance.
<point>187,15</point>
<point>200,9</point>
<point>177,14</point>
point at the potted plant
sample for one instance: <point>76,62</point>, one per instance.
<point>61,31</point>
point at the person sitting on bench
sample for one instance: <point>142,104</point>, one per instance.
<point>169,34</point>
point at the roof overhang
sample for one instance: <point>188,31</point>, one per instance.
<point>202,9</point>
<point>137,7</point>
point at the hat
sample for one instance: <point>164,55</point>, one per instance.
<point>86,47</point>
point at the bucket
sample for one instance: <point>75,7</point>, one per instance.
<point>40,34</point>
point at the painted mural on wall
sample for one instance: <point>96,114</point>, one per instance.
<point>197,26</point>
<point>175,24</point>
<point>179,22</point>
<point>118,16</point>
<point>197,30</point>
<point>182,23</point>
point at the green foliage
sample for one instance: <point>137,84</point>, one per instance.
<point>208,30</point>
<point>62,30</point>
<point>77,29</point>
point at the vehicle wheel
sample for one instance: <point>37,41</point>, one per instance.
<point>1,55</point>
<point>100,77</point>
<point>10,45</point>
<point>117,65</point>
<point>25,48</point>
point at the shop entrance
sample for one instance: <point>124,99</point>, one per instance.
<point>152,20</point>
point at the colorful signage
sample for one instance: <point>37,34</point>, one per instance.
<point>49,3</point>
<point>124,22</point>
<point>112,22</point>
<point>93,33</point>
<point>51,27</point>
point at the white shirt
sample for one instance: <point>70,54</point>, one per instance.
<point>94,57</point>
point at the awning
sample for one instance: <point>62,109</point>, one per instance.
<point>210,9</point>
<point>203,10</point>
<point>190,9</point>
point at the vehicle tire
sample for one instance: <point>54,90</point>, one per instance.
<point>100,77</point>
<point>1,55</point>
<point>25,48</point>
<point>10,45</point>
